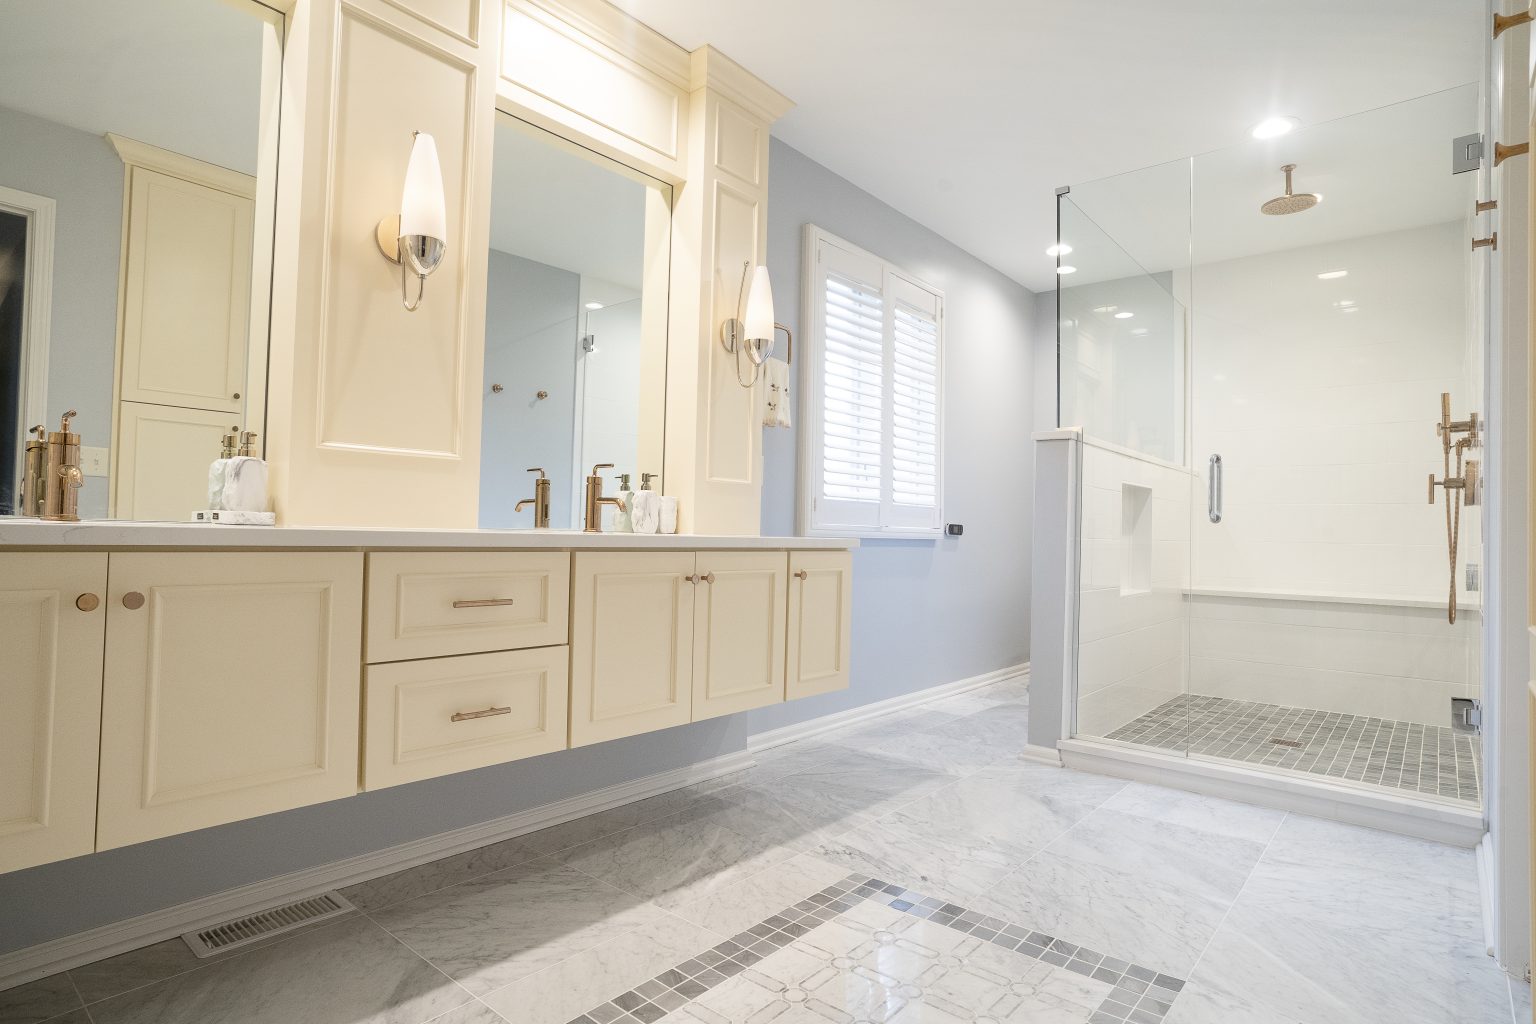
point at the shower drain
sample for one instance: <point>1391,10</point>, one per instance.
<point>1277,741</point>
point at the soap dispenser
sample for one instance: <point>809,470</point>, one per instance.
<point>623,515</point>
<point>217,471</point>
<point>245,479</point>
<point>646,511</point>
<point>62,474</point>
<point>32,485</point>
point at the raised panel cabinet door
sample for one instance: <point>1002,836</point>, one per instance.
<point>631,643</point>
<point>186,293</point>
<point>738,631</point>
<point>443,715</point>
<point>232,688</point>
<point>426,604</point>
<point>160,471</point>
<point>50,705</point>
<point>820,622</point>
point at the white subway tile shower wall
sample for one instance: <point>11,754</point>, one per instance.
<point>1325,419</point>
<point>1131,645</point>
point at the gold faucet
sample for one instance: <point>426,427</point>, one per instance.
<point>596,501</point>
<point>63,478</point>
<point>539,501</point>
<point>32,482</point>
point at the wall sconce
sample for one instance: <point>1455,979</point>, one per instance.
<point>751,331</point>
<point>417,237</point>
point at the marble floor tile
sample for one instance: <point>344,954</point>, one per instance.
<point>471,1013</point>
<point>1197,811</point>
<point>39,1000</point>
<point>489,932</point>
<point>675,860</point>
<point>788,758</point>
<point>1323,932</point>
<point>351,972</point>
<point>582,830</point>
<point>563,991</point>
<point>1520,1000</point>
<point>734,908</point>
<point>958,867</point>
<point>378,893</point>
<point>854,786</point>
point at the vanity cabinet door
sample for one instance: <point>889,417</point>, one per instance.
<point>820,621</point>
<point>738,631</point>
<point>231,688</point>
<point>50,705</point>
<point>632,619</point>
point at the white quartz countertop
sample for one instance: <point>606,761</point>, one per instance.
<point>35,533</point>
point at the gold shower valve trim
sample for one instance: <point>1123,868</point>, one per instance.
<point>1484,205</point>
<point>1491,242</point>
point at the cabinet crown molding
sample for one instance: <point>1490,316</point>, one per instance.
<point>620,32</point>
<point>713,70</point>
<point>141,154</point>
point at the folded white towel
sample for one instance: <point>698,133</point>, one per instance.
<point>773,385</point>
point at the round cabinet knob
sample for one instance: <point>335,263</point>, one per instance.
<point>708,577</point>
<point>133,600</point>
<point>802,575</point>
<point>235,396</point>
<point>87,602</point>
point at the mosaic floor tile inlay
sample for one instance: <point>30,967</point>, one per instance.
<point>1399,755</point>
<point>867,945</point>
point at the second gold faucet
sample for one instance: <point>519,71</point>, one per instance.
<point>596,501</point>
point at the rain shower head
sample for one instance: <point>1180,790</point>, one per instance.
<point>1291,202</point>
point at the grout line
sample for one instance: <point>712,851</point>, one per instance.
<point>1195,967</point>
<point>446,976</point>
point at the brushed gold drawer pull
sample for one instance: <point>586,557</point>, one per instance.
<point>87,602</point>
<point>465,716</point>
<point>133,600</point>
<point>802,575</point>
<point>489,602</point>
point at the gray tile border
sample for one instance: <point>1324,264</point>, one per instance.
<point>1139,995</point>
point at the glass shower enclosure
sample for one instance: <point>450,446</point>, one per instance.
<point>1275,355</point>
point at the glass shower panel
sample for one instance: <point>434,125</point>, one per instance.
<point>1121,351</point>
<point>1322,341</point>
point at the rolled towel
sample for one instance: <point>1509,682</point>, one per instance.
<point>774,390</point>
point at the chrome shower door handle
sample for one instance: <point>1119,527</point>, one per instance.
<point>1213,496</point>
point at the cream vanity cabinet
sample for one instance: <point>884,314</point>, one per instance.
<point>468,661</point>
<point>820,622</point>
<point>230,688</point>
<point>51,627</point>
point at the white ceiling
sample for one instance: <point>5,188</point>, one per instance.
<point>184,75</point>
<point>565,209</point>
<point>966,116</point>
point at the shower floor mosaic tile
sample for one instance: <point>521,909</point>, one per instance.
<point>911,869</point>
<point>1399,755</point>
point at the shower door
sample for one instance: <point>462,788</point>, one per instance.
<point>1321,639</point>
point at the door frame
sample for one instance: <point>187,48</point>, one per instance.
<point>37,305</point>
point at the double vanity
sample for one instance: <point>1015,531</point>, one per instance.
<point>167,678</point>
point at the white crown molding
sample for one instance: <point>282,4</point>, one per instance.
<point>621,33</point>
<point>714,70</point>
<point>141,154</point>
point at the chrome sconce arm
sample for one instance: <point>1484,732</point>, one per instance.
<point>752,329</point>
<point>416,238</point>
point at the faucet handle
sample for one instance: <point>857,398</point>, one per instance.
<point>538,470</point>
<point>601,465</point>
<point>41,432</point>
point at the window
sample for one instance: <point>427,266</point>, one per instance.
<point>872,448</point>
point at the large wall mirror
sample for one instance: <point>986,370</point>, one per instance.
<point>137,176</point>
<point>575,325</point>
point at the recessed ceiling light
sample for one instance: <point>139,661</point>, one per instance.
<point>1064,269</point>
<point>1332,275</point>
<point>594,305</point>
<point>1105,309</point>
<point>1274,127</point>
<point>1058,250</point>
<point>1124,314</point>
<point>1139,331</point>
<point>1345,303</point>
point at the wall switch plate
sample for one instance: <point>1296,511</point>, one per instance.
<point>954,529</point>
<point>93,461</point>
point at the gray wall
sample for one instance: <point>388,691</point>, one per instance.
<point>531,332</point>
<point>924,612</point>
<point>85,177</point>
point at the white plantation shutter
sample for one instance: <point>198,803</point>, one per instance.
<point>872,449</point>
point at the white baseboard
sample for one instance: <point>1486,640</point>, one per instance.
<point>1043,755</point>
<point>843,719</point>
<point>1439,822</point>
<point>47,958</point>
<point>1485,885</point>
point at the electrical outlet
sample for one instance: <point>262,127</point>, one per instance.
<point>93,461</point>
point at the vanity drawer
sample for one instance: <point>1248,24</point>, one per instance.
<point>430,604</point>
<point>444,715</point>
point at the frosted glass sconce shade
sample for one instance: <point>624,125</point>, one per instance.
<point>759,317</point>
<point>417,237</point>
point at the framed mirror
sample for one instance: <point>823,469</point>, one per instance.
<point>137,184</point>
<point>576,326</point>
